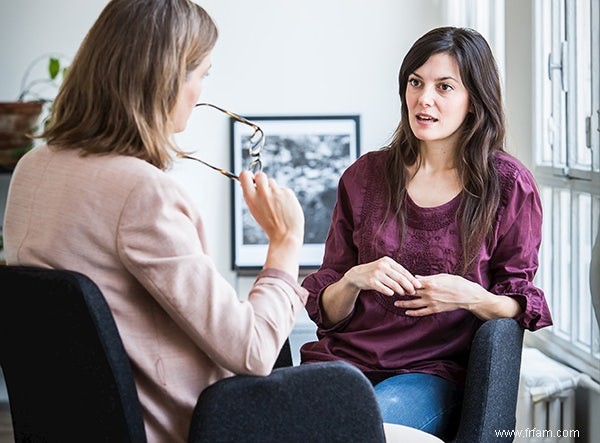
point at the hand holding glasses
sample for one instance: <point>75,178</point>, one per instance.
<point>276,209</point>
<point>255,142</point>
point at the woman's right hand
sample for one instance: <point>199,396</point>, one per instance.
<point>384,275</point>
<point>279,214</point>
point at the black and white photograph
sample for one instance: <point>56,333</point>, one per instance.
<point>306,154</point>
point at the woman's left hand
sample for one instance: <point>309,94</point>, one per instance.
<point>447,292</point>
<point>441,293</point>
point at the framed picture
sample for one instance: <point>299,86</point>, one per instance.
<point>304,153</point>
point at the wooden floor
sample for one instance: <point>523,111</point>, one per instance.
<point>6,434</point>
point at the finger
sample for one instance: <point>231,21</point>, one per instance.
<point>406,281</point>
<point>261,179</point>
<point>247,183</point>
<point>423,280</point>
<point>401,270</point>
<point>393,284</point>
<point>380,280</point>
<point>383,278</point>
<point>414,307</point>
<point>410,304</point>
<point>380,283</point>
<point>402,279</point>
<point>418,312</point>
<point>414,281</point>
<point>392,272</point>
<point>384,289</point>
<point>262,184</point>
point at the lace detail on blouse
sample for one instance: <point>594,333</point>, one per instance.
<point>431,236</point>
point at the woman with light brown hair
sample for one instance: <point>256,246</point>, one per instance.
<point>96,199</point>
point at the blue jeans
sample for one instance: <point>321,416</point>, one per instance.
<point>423,401</point>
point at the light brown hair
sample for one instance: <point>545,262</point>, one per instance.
<point>122,86</point>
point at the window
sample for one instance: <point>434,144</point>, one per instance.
<point>486,16</point>
<point>567,103</point>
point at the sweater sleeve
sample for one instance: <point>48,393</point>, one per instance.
<point>514,261</point>
<point>161,242</point>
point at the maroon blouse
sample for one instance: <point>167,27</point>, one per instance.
<point>378,337</point>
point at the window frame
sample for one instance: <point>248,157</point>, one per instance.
<point>557,170</point>
<point>562,175</point>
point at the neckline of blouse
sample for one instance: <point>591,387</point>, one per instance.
<point>433,218</point>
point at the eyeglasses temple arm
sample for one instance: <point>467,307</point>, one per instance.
<point>222,171</point>
<point>231,114</point>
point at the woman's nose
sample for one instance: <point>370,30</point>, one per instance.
<point>426,97</point>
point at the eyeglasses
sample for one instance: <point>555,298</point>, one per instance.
<point>255,144</point>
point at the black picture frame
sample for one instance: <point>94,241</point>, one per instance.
<point>305,153</point>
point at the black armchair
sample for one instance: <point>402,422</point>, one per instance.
<point>67,374</point>
<point>321,402</point>
<point>69,378</point>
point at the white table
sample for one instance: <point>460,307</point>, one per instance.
<point>404,434</point>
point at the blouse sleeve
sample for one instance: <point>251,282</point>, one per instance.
<point>340,254</point>
<point>514,260</point>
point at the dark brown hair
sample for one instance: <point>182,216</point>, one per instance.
<point>482,134</point>
<point>120,90</point>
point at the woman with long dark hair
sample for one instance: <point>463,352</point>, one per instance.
<point>430,236</point>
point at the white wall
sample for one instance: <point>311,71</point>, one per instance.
<point>273,57</point>
<point>300,58</point>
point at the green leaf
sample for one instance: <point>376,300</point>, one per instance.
<point>53,67</point>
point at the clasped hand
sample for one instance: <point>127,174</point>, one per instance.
<point>439,293</point>
<point>432,294</point>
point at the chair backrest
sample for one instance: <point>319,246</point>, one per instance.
<point>67,374</point>
<point>492,383</point>
<point>318,402</point>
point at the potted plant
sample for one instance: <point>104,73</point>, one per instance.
<point>20,119</point>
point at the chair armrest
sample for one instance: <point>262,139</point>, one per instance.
<point>284,358</point>
<point>317,402</point>
<point>492,383</point>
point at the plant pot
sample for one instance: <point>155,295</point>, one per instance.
<point>18,120</point>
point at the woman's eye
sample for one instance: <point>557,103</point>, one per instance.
<point>446,87</point>
<point>413,82</point>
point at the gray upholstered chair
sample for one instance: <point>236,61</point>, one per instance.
<point>492,383</point>
<point>321,402</point>
<point>69,378</point>
<point>489,403</point>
